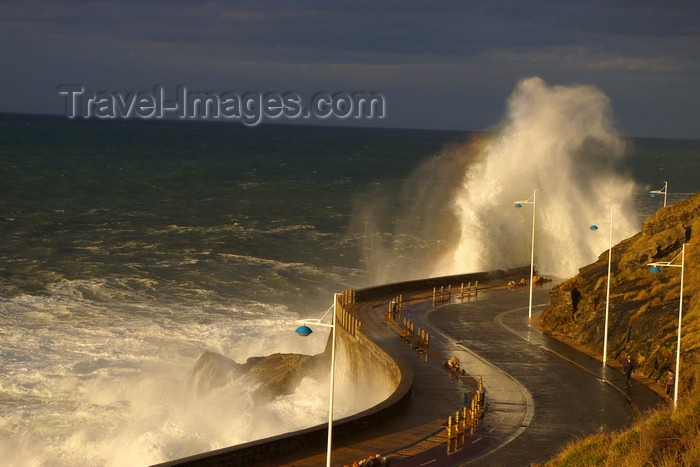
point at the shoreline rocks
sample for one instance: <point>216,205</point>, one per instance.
<point>276,375</point>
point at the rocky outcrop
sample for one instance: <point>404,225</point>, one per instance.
<point>277,374</point>
<point>280,374</point>
<point>643,317</point>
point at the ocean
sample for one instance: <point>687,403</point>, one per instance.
<point>128,248</point>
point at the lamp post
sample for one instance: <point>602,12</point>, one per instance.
<point>519,204</point>
<point>607,298</point>
<point>664,190</point>
<point>655,267</point>
<point>304,331</point>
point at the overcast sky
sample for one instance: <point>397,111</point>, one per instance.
<point>439,64</point>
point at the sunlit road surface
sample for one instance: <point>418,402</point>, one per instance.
<point>563,393</point>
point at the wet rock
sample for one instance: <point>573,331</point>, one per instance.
<point>275,375</point>
<point>280,374</point>
<point>211,371</point>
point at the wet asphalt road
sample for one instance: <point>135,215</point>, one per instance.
<point>563,393</point>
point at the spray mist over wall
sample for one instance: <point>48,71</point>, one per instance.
<point>455,213</point>
<point>560,141</point>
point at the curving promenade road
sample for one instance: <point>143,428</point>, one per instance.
<point>540,393</point>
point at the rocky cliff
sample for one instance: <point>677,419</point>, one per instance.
<point>643,316</point>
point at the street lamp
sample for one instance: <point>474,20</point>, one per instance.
<point>607,298</point>
<point>664,190</point>
<point>305,331</point>
<point>655,267</point>
<point>519,204</point>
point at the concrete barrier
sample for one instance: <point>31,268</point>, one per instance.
<point>393,289</point>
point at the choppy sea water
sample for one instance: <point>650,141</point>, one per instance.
<point>129,248</point>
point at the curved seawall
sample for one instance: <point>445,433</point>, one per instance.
<point>367,359</point>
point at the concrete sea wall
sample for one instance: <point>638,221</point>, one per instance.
<point>396,288</point>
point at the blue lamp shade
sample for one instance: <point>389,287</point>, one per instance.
<point>593,227</point>
<point>652,195</point>
<point>303,331</point>
<point>518,205</point>
<point>655,269</point>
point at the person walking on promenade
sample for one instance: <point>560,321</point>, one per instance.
<point>669,382</point>
<point>628,368</point>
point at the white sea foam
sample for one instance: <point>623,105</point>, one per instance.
<point>103,382</point>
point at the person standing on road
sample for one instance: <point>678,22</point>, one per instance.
<point>628,368</point>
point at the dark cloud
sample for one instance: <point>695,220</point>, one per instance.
<point>415,50</point>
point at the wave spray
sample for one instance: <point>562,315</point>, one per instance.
<point>559,140</point>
